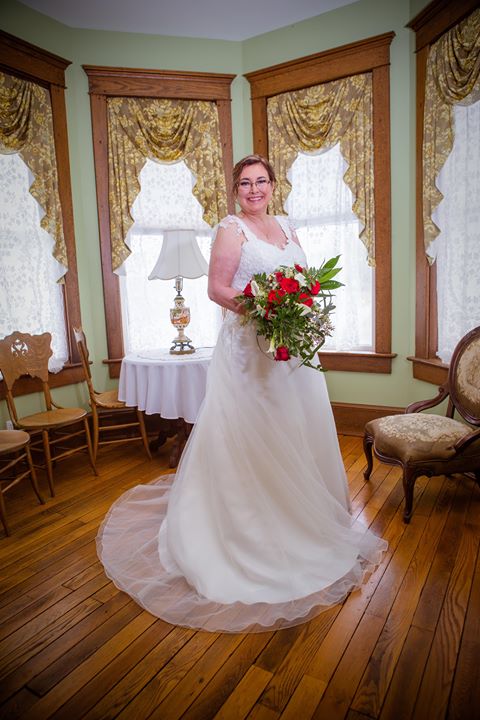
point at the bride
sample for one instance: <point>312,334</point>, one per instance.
<point>253,532</point>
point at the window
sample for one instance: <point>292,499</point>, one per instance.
<point>31,300</point>
<point>25,61</point>
<point>105,83</point>
<point>320,206</point>
<point>457,249</point>
<point>429,25</point>
<point>165,200</point>
<point>370,350</point>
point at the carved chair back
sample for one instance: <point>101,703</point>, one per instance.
<point>81,341</point>
<point>464,378</point>
<point>24,354</point>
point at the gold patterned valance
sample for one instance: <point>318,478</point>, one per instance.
<point>319,117</point>
<point>26,128</point>
<point>166,131</point>
<point>453,77</point>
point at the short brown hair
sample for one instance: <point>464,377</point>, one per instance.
<point>252,160</point>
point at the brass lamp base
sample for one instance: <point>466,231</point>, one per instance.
<point>180,318</point>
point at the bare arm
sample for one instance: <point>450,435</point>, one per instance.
<point>224,261</point>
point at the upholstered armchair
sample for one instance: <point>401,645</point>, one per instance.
<point>428,444</point>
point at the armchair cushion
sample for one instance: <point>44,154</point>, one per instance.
<point>416,437</point>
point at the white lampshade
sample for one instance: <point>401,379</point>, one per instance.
<point>180,256</point>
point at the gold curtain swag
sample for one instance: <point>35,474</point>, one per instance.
<point>165,131</point>
<point>26,128</point>
<point>317,118</point>
<point>452,77</point>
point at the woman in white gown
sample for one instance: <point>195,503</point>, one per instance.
<point>254,531</point>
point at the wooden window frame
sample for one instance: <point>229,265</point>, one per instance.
<point>371,55</point>
<point>107,82</point>
<point>30,62</point>
<point>432,22</point>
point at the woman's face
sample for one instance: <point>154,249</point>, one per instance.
<point>254,189</point>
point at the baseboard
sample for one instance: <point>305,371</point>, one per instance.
<point>351,419</point>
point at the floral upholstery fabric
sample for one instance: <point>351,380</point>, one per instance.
<point>467,381</point>
<point>417,437</point>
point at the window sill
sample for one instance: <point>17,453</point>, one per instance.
<point>72,373</point>
<point>357,362</point>
<point>343,362</point>
<point>431,370</point>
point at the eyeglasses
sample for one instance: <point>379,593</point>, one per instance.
<point>260,184</point>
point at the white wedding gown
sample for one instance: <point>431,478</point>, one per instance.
<point>253,532</point>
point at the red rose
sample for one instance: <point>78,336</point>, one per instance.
<point>306,299</point>
<point>290,285</point>
<point>298,268</point>
<point>247,290</point>
<point>282,353</point>
<point>275,296</point>
<point>279,276</point>
<point>315,288</point>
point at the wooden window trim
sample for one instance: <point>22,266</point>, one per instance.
<point>434,20</point>
<point>33,63</point>
<point>370,55</point>
<point>106,82</point>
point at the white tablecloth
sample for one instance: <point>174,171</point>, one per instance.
<point>171,385</point>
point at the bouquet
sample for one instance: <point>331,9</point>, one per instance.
<point>291,308</point>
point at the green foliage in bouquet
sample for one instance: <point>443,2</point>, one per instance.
<point>291,308</point>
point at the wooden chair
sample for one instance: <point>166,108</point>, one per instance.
<point>14,450</point>
<point>106,406</point>
<point>24,354</point>
<point>427,444</point>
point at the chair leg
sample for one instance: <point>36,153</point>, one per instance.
<point>48,461</point>
<point>96,431</point>
<point>367,449</point>
<point>143,432</point>
<point>89,446</point>
<point>409,478</point>
<point>3,515</point>
<point>33,476</point>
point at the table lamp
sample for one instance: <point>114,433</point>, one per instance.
<point>179,257</point>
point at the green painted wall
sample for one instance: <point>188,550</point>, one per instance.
<point>360,20</point>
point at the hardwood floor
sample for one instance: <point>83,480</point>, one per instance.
<point>407,645</point>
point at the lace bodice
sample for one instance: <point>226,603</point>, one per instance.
<point>258,255</point>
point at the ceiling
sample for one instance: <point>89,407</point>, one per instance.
<point>214,19</point>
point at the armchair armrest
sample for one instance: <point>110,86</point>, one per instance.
<point>464,442</point>
<point>425,404</point>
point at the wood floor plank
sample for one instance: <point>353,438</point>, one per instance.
<point>305,699</point>
<point>402,692</point>
<point>289,674</point>
<point>408,638</point>
<point>55,659</point>
<point>64,691</point>
<point>231,682</point>
<point>110,704</point>
<point>374,684</point>
<point>166,681</point>
<point>192,684</point>
<point>466,687</point>
<point>245,695</point>
<point>438,677</point>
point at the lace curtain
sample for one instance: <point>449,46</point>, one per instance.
<point>320,206</point>
<point>31,299</point>
<point>452,77</point>
<point>457,248</point>
<point>318,118</point>
<point>166,131</point>
<point>165,200</point>
<point>26,127</point>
